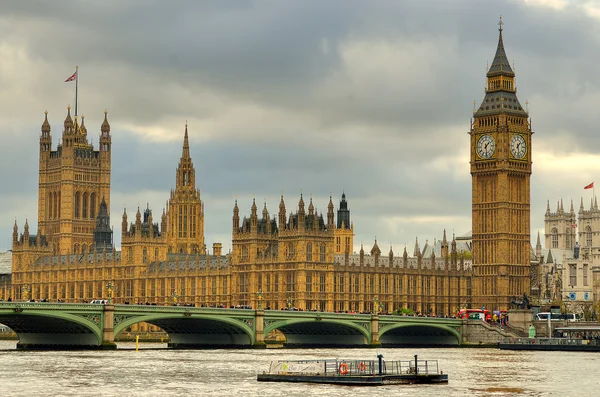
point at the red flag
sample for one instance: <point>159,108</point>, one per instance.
<point>74,76</point>
<point>591,185</point>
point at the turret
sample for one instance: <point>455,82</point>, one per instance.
<point>105,138</point>
<point>253,218</point>
<point>15,233</point>
<point>282,220</point>
<point>124,223</point>
<point>343,219</point>
<point>301,213</point>
<point>362,255</point>
<point>67,135</point>
<point>163,223</point>
<point>138,221</point>
<point>444,246</point>
<point>417,251</point>
<point>236,218</point>
<point>45,139</point>
<point>572,210</point>
<point>330,215</point>
<point>26,232</point>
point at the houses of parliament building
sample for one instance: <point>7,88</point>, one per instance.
<point>295,257</point>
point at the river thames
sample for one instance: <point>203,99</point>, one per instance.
<point>156,371</point>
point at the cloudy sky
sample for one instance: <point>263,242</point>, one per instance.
<point>373,98</point>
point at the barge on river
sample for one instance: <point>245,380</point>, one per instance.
<point>581,339</point>
<point>355,372</point>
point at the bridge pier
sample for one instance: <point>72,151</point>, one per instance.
<point>259,330</point>
<point>375,331</point>
<point>108,328</point>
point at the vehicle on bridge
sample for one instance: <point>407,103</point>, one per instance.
<point>475,314</point>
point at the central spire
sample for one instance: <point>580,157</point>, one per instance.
<point>186,144</point>
<point>185,170</point>
<point>500,65</point>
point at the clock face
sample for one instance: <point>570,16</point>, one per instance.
<point>518,147</point>
<point>486,146</point>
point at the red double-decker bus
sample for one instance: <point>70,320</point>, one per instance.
<point>475,314</point>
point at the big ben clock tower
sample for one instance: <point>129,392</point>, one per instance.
<point>500,169</point>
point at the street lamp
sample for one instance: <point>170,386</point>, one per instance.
<point>260,296</point>
<point>290,302</point>
<point>26,290</point>
<point>109,290</point>
<point>174,296</point>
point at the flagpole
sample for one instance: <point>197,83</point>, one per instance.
<point>76,83</point>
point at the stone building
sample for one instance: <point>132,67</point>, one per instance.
<point>302,259</point>
<point>572,253</point>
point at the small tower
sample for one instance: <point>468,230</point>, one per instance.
<point>330,215</point>
<point>444,247</point>
<point>254,217</point>
<point>236,218</point>
<point>15,234</point>
<point>103,235</point>
<point>282,218</point>
<point>45,140</point>
<point>344,232</point>
<point>124,223</point>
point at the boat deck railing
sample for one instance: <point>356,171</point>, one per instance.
<point>551,341</point>
<point>340,367</point>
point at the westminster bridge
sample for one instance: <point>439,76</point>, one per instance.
<point>73,325</point>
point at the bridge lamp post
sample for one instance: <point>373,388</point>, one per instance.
<point>174,296</point>
<point>376,305</point>
<point>26,290</point>
<point>109,290</point>
<point>259,297</point>
<point>290,302</point>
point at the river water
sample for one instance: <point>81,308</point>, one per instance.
<point>157,371</point>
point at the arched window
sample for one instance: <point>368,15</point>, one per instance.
<point>57,197</point>
<point>92,205</point>
<point>309,252</point>
<point>322,258</point>
<point>145,255</point>
<point>244,253</point>
<point>554,238</point>
<point>84,206</point>
<point>83,249</point>
<point>77,204</point>
<point>588,236</point>
<point>50,206</point>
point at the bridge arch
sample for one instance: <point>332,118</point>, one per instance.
<point>419,334</point>
<point>38,329</point>
<point>197,330</point>
<point>321,331</point>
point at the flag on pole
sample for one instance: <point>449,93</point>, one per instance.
<point>74,76</point>
<point>590,186</point>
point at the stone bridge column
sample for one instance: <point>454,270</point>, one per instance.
<point>259,330</point>
<point>375,331</point>
<point>108,331</point>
